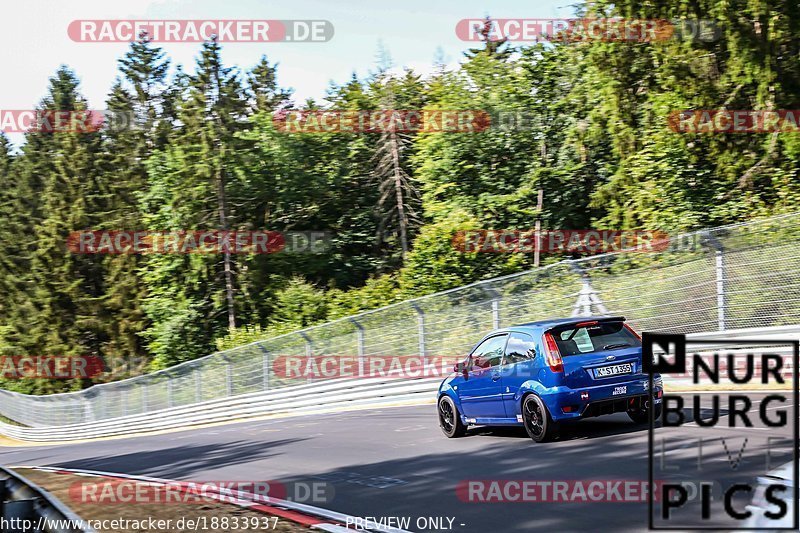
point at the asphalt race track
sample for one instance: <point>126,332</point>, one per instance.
<point>396,462</point>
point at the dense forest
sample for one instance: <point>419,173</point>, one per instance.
<point>205,152</point>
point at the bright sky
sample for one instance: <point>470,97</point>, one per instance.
<point>34,40</point>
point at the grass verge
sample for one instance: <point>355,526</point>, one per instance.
<point>201,512</point>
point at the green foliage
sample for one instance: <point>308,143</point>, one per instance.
<point>586,123</point>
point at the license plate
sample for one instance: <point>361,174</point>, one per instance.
<point>613,370</point>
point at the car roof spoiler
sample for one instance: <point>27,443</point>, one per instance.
<point>588,320</point>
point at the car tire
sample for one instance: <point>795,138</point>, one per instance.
<point>537,420</point>
<point>642,416</point>
<point>450,418</point>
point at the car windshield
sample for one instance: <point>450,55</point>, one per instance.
<point>594,337</point>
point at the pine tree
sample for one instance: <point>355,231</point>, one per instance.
<point>262,82</point>
<point>195,183</point>
<point>59,307</point>
<point>139,100</point>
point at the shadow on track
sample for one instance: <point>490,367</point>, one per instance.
<point>589,428</point>
<point>184,460</point>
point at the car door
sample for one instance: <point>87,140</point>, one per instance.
<point>481,391</point>
<point>519,365</point>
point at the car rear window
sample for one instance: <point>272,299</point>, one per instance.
<point>598,337</point>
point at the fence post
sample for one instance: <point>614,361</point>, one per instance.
<point>361,346</point>
<point>169,390</point>
<point>495,305</point>
<point>88,413</point>
<point>309,352</point>
<point>228,376</point>
<point>198,385</point>
<point>421,333</point>
<point>264,366</point>
<point>720,276</point>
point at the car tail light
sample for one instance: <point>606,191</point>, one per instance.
<point>633,331</point>
<point>586,324</point>
<point>552,354</point>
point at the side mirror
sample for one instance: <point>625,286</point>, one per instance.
<point>462,367</point>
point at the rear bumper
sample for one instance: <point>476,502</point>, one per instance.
<point>616,405</point>
<point>572,404</point>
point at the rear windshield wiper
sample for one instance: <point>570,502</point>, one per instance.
<point>617,345</point>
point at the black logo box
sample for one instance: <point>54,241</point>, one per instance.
<point>663,341</point>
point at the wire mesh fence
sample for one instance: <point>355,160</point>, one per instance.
<point>738,276</point>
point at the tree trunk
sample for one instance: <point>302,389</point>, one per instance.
<point>398,191</point>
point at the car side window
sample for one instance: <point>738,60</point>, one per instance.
<point>521,347</point>
<point>489,353</point>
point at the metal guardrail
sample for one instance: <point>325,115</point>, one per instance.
<point>732,277</point>
<point>329,395</point>
<point>25,507</point>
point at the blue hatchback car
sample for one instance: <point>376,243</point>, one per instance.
<point>542,374</point>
